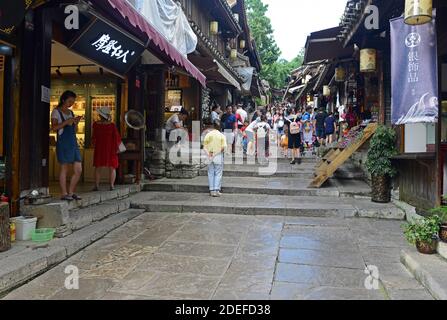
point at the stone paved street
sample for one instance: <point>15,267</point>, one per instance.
<point>212,256</point>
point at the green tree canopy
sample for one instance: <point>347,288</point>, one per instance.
<point>274,70</point>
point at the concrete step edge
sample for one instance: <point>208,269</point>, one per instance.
<point>24,266</point>
<point>422,275</point>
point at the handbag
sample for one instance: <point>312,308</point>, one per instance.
<point>121,148</point>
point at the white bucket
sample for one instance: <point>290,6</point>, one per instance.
<point>25,227</point>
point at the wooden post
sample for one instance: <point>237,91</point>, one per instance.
<point>5,235</point>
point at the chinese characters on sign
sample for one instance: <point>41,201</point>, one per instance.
<point>412,41</point>
<point>108,46</point>
<point>414,73</point>
<point>111,47</point>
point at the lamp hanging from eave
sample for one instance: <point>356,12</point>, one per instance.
<point>233,54</point>
<point>242,44</point>
<point>326,91</point>
<point>418,11</point>
<point>368,60</point>
<point>340,74</point>
<point>214,27</point>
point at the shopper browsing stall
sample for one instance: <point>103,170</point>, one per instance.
<point>106,140</point>
<point>64,122</point>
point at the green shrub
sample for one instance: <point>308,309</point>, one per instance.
<point>382,148</point>
<point>424,230</point>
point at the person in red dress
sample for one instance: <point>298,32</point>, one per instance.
<point>106,140</point>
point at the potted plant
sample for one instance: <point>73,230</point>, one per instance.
<point>382,148</point>
<point>423,233</point>
<point>441,212</point>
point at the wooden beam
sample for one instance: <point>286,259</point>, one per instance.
<point>340,159</point>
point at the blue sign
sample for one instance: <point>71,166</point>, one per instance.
<point>414,73</point>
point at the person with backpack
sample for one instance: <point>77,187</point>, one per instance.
<point>279,124</point>
<point>64,122</point>
<point>262,136</point>
<point>295,142</point>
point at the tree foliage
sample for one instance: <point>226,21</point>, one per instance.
<point>274,69</point>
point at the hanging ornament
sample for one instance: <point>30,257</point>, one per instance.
<point>418,11</point>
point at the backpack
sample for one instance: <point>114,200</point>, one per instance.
<point>294,128</point>
<point>261,132</point>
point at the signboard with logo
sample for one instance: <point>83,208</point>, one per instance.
<point>108,46</point>
<point>12,13</point>
<point>414,72</point>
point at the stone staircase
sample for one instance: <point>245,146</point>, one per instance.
<point>284,192</point>
<point>67,217</point>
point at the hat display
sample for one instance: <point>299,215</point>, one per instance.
<point>105,112</point>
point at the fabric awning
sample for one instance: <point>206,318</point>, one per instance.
<point>295,89</point>
<point>129,14</point>
<point>322,45</point>
<point>228,76</point>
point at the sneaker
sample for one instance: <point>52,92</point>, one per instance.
<point>219,193</point>
<point>213,194</point>
<point>293,162</point>
<point>299,161</point>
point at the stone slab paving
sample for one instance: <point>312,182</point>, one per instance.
<point>233,257</point>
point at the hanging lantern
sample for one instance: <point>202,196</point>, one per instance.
<point>418,11</point>
<point>368,60</point>
<point>214,27</point>
<point>233,54</point>
<point>340,74</point>
<point>242,44</point>
<point>326,91</point>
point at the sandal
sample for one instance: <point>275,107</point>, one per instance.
<point>67,198</point>
<point>76,197</point>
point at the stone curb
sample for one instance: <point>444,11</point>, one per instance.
<point>429,270</point>
<point>25,265</point>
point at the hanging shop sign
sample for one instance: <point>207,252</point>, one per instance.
<point>108,46</point>
<point>414,72</point>
<point>12,13</point>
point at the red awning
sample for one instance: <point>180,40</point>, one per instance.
<point>126,10</point>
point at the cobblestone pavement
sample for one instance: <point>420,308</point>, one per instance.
<point>211,256</point>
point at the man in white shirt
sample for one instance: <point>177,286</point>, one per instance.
<point>240,111</point>
<point>174,125</point>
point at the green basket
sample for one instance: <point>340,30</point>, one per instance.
<point>43,235</point>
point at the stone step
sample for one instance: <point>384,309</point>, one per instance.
<point>26,260</point>
<point>81,218</point>
<point>429,270</point>
<point>248,185</point>
<point>442,250</point>
<point>256,185</point>
<point>66,217</point>
<point>249,204</point>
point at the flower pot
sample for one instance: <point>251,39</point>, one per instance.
<point>443,232</point>
<point>381,189</point>
<point>426,247</point>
